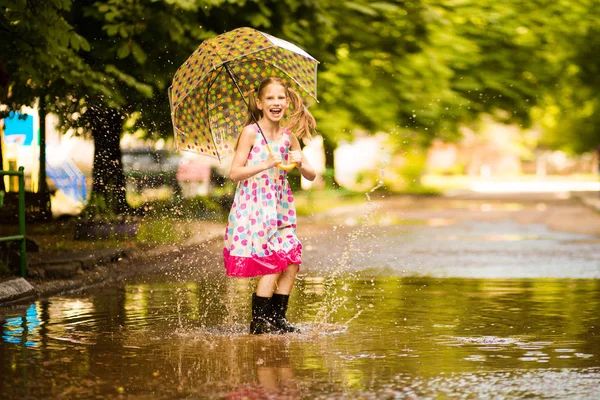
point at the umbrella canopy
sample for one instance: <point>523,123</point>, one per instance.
<point>208,94</point>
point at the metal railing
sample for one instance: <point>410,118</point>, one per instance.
<point>21,236</point>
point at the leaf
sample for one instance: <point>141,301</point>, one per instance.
<point>85,45</point>
<point>123,50</point>
<point>74,43</point>
<point>138,53</point>
<point>111,30</point>
<point>361,8</point>
<point>385,7</point>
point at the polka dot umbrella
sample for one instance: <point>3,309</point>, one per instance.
<point>208,94</point>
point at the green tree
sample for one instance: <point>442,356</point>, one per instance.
<point>39,59</point>
<point>39,51</point>
<point>133,44</point>
<point>420,69</point>
<point>570,110</point>
<point>139,46</point>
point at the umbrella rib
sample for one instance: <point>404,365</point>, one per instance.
<point>235,82</point>
<point>212,136</point>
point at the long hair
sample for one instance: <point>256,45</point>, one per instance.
<point>301,122</point>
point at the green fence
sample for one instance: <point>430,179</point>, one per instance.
<point>21,236</point>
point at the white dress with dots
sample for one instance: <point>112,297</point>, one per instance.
<point>260,237</point>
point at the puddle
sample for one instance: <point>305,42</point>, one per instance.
<point>387,336</point>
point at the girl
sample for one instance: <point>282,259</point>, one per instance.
<point>260,238</point>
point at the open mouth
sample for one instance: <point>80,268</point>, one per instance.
<point>276,112</point>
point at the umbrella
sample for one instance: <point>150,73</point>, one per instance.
<point>208,94</point>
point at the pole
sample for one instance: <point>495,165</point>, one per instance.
<point>22,220</point>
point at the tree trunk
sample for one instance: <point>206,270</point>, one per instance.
<point>43,192</point>
<point>108,180</point>
<point>329,149</point>
<point>43,186</point>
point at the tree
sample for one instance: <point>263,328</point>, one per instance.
<point>139,46</point>
<point>38,56</point>
<point>421,69</point>
<point>570,110</point>
<point>38,48</point>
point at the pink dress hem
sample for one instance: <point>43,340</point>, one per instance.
<point>248,267</point>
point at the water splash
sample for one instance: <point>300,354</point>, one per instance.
<point>336,292</point>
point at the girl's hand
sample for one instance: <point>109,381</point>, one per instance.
<point>273,159</point>
<point>296,157</point>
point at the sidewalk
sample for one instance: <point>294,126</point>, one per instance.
<point>590,199</point>
<point>81,269</point>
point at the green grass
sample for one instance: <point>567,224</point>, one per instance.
<point>310,202</point>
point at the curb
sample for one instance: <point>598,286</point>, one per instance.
<point>69,265</point>
<point>81,270</point>
<point>16,290</point>
<point>59,274</point>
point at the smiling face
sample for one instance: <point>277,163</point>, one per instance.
<point>273,102</point>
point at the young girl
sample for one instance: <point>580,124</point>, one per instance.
<point>260,238</point>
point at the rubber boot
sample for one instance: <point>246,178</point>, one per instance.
<point>279,305</point>
<point>261,312</point>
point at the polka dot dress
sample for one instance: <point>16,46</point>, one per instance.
<point>260,237</point>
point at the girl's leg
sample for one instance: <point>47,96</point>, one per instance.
<point>286,280</point>
<point>266,285</point>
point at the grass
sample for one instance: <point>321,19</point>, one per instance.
<point>310,202</point>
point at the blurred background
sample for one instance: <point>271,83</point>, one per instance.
<point>414,96</point>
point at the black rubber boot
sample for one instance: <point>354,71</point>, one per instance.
<point>261,320</point>
<point>279,305</point>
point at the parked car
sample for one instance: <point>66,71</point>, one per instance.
<point>150,168</point>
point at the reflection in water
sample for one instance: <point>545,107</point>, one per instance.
<point>22,329</point>
<point>385,336</point>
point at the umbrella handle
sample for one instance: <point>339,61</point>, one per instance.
<point>284,167</point>
<point>287,167</point>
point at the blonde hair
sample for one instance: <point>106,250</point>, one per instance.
<point>301,122</point>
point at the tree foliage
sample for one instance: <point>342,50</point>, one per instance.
<point>422,68</point>
<point>39,52</point>
<point>416,68</point>
<point>570,110</point>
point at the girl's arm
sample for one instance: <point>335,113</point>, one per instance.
<point>239,170</point>
<point>299,158</point>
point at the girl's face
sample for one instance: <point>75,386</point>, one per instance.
<point>273,102</point>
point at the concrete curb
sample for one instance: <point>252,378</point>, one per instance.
<point>71,264</point>
<point>80,270</point>
<point>16,290</point>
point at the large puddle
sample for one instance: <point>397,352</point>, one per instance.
<point>363,337</point>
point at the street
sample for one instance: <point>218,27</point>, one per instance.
<point>466,297</point>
